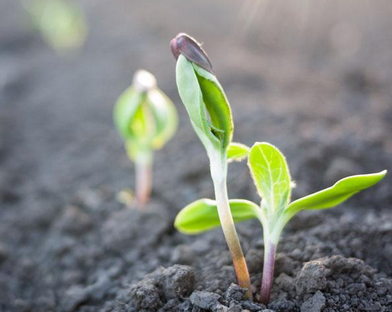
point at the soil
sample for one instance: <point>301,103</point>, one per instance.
<point>318,87</point>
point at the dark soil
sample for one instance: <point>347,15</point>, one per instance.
<point>67,245</point>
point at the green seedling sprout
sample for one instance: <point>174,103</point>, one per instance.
<point>210,115</point>
<point>272,179</point>
<point>146,119</point>
<point>61,23</point>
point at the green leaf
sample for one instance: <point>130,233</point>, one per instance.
<point>271,175</point>
<point>217,105</point>
<point>237,152</point>
<point>165,115</point>
<point>206,104</point>
<point>125,109</point>
<point>336,194</point>
<point>202,215</point>
<point>145,118</point>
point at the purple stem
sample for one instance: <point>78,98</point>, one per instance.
<point>268,272</point>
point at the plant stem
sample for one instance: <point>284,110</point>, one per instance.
<point>218,173</point>
<point>143,182</point>
<point>268,271</point>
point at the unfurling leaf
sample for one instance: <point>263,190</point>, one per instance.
<point>203,96</point>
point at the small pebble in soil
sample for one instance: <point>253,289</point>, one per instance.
<point>161,286</point>
<point>204,300</point>
<point>311,278</point>
<point>145,295</point>
<point>234,292</point>
<point>177,281</point>
<point>314,304</point>
<point>235,308</point>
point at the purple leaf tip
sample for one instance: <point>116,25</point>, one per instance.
<point>191,50</point>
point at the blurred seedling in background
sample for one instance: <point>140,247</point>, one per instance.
<point>146,119</point>
<point>61,23</point>
<point>210,115</point>
<point>271,177</point>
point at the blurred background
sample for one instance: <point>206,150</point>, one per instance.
<point>319,71</point>
<point>312,77</point>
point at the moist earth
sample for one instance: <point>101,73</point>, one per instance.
<point>67,244</point>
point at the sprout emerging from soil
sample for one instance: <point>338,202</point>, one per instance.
<point>210,115</point>
<point>146,119</point>
<point>272,179</point>
<point>62,24</point>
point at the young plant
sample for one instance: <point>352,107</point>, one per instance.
<point>210,115</point>
<point>271,177</point>
<point>146,119</point>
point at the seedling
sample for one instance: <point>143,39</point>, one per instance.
<point>271,177</point>
<point>61,23</point>
<point>210,115</point>
<point>146,119</point>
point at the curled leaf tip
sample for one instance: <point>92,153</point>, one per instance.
<point>191,50</point>
<point>144,80</point>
